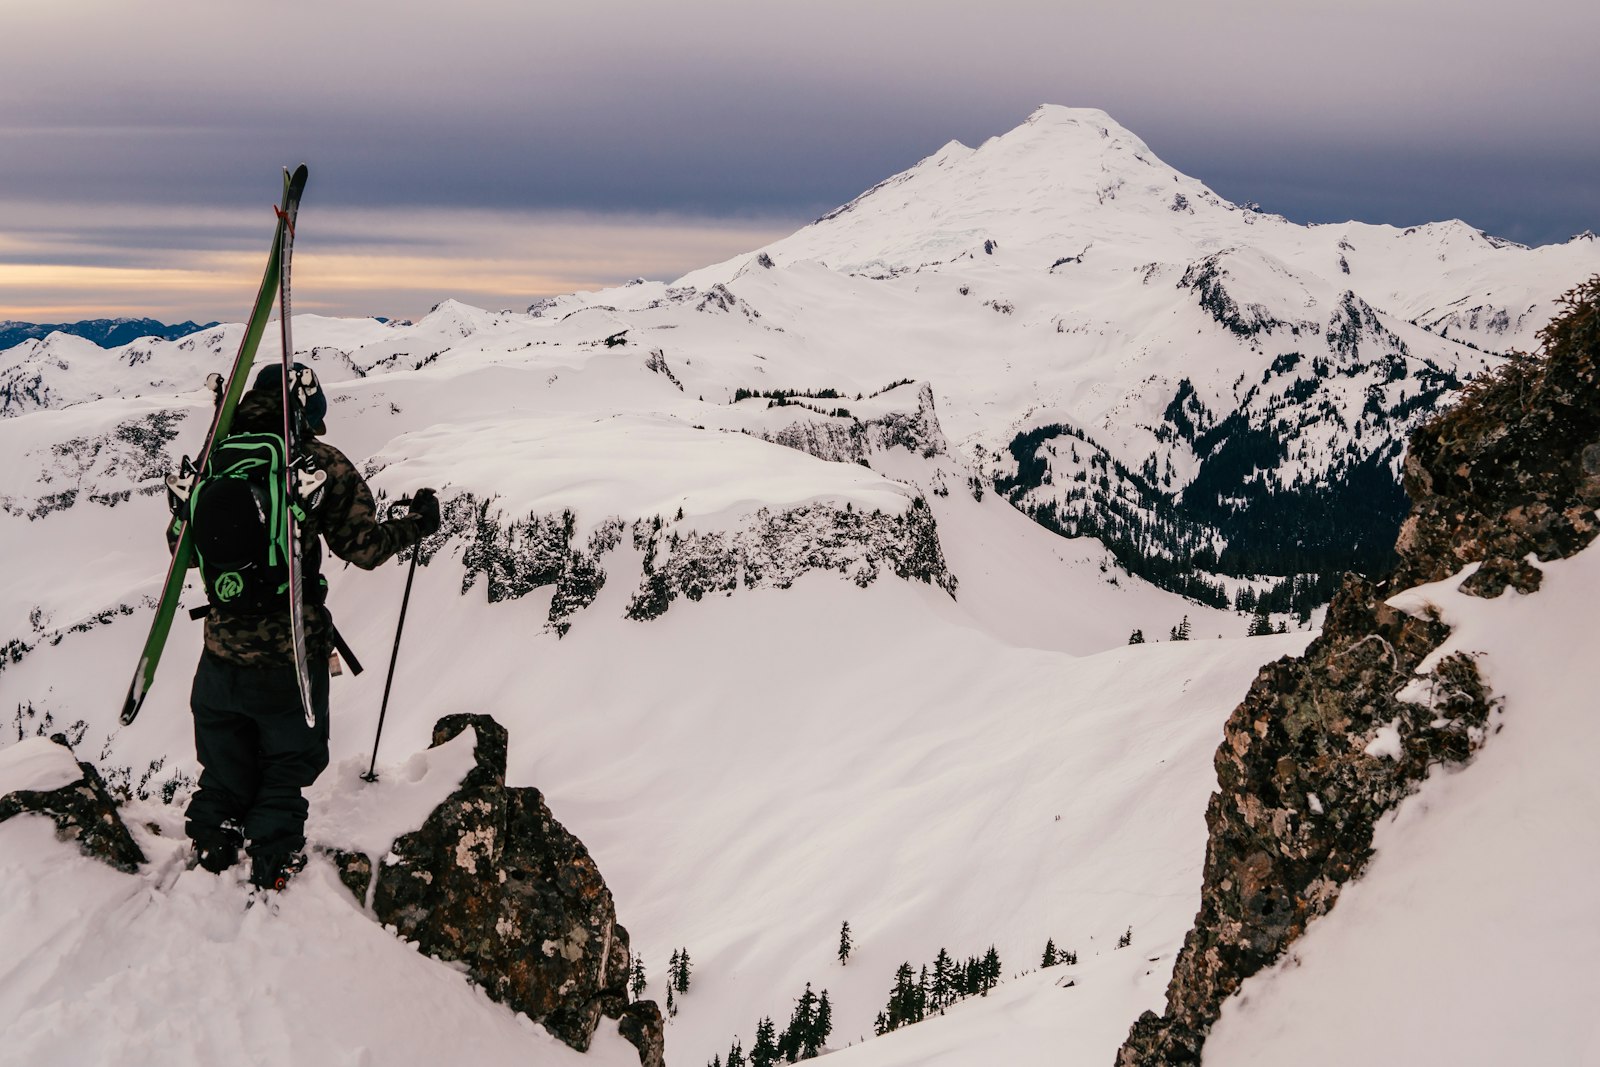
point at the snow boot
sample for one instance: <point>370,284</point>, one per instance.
<point>272,870</point>
<point>217,850</point>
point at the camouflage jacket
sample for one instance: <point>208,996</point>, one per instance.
<point>345,516</point>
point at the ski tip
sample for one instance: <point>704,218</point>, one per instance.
<point>296,181</point>
<point>136,691</point>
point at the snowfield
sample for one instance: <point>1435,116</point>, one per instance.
<point>931,784</point>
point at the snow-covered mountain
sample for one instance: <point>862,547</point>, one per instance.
<point>1205,388</point>
<point>107,333</point>
<point>735,559</point>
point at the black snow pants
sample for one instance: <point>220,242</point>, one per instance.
<point>256,752</point>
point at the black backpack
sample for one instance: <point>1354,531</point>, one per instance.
<point>240,524</point>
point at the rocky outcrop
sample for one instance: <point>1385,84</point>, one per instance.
<point>916,431</point>
<point>493,882</point>
<point>844,439</point>
<point>1514,468</point>
<point>84,812</point>
<point>1322,747</point>
<point>1325,745</point>
<point>775,548</point>
<point>513,557</point>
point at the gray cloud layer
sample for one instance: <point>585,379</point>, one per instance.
<point>1385,110</point>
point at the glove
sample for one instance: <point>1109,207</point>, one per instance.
<point>425,509</point>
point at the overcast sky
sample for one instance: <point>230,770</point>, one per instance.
<point>497,151</point>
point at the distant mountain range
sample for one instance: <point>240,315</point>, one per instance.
<point>1217,395</point>
<point>107,333</point>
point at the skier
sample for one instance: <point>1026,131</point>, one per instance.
<point>255,748</point>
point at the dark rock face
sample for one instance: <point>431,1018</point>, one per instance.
<point>1514,467</point>
<point>775,548</point>
<point>642,1026</point>
<point>1300,796</point>
<point>1323,746</point>
<point>83,811</point>
<point>355,871</point>
<point>492,880</point>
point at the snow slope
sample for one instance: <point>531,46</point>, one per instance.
<point>171,968</point>
<point>1481,890</point>
<point>931,784</point>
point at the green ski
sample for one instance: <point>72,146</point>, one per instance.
<point>231,391</point>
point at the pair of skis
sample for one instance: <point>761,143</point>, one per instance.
<point>274,285</point>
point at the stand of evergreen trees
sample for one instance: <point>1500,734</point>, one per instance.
<point>917,995</point>
<point>1145,531</point>
<point>804,1038</point>
<point>1310,534</point>
<point>1052,957</point>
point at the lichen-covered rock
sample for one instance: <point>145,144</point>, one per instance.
<point>1325,745</point>
<point>493,881</point>
<point>83,811</point>
<point>641,1024</point>
<point>355,871</point>
<point>1322,747</point>
<point>1513,468</point>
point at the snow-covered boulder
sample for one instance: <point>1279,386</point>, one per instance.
<point>491,880</point>
<point>41,776</point>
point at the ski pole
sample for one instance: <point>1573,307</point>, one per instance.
<point>411,572</point>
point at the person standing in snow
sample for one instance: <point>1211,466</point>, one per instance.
<point>255,749</point>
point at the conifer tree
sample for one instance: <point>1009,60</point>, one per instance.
<point>764,1051</point>
<point>991,969</point>
<point>1126,939</point>
<point>716,1061</point>
<point>880,1025</point>
<point>637,981</point>
<point>680,970</point>
<point>736,1054</point>
<point>1261,624</point>
<point>944,985</point>
<point>672,1005</point>
<point>971,978</point>
<point>1050,958</point>
<point>902,997</point>
<point>845,944</point>
<point>1136,638</point>
<point>803,1024</point>
<point>822,1026</point>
